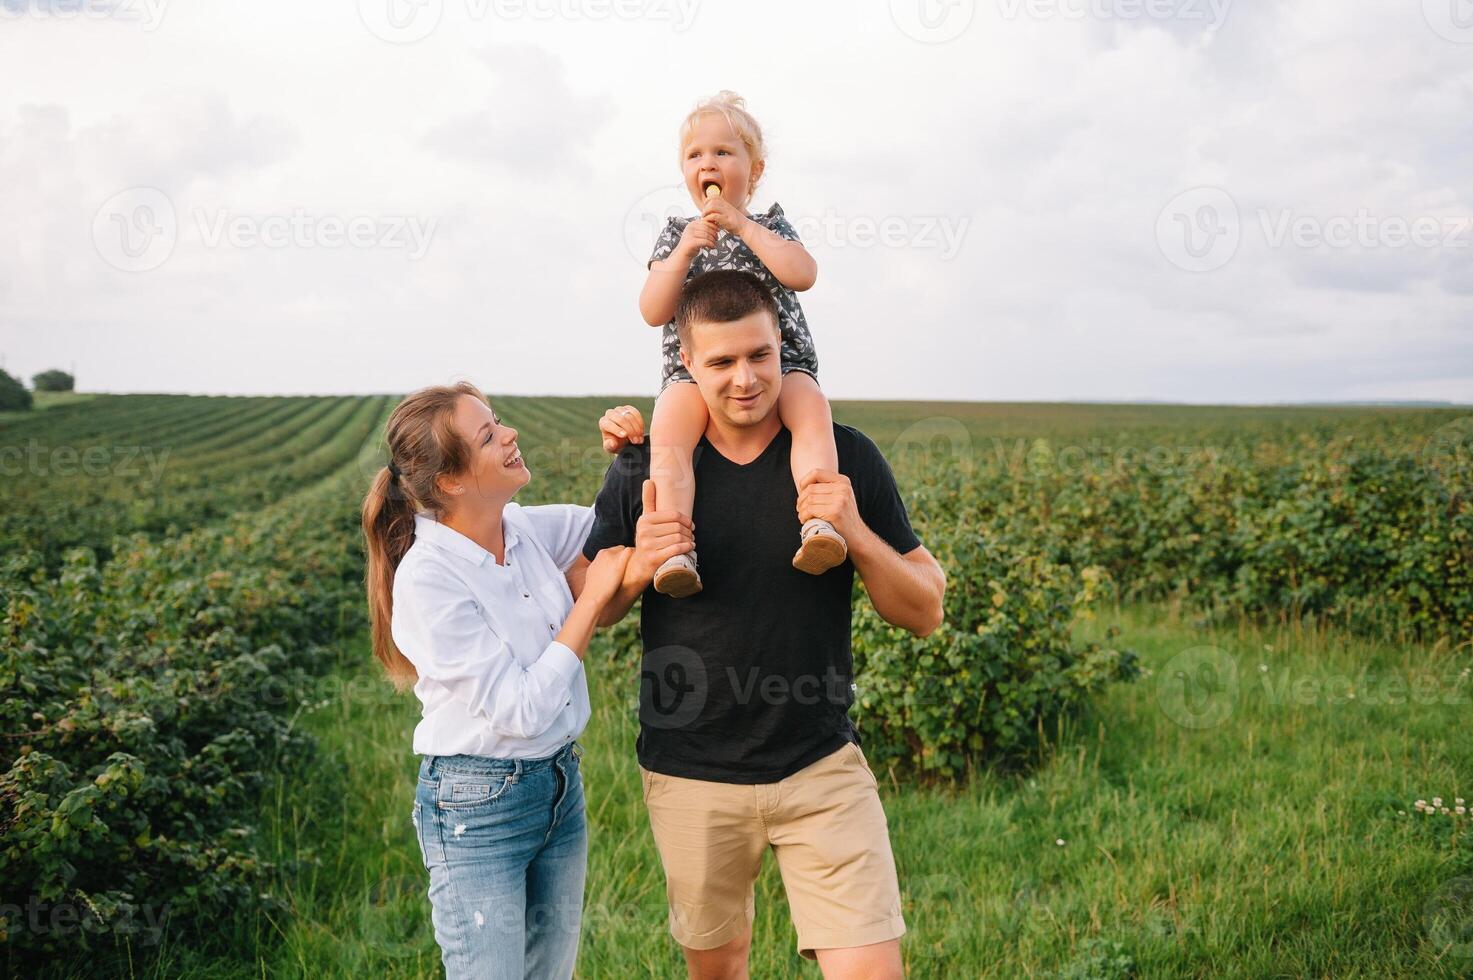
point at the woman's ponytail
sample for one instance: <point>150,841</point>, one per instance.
<point>388,531</point>
<point>422,444</point>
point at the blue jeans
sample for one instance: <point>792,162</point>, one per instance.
<point>506,845</point>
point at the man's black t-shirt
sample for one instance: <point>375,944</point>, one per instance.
<point>750,679</point>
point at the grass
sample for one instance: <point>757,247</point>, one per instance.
<point>1246,825</point>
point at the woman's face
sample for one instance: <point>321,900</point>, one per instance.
<point>496,470</point>
<point>715,154</point>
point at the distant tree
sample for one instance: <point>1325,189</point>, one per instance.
<point>53,380</point>
<point>13,394</point>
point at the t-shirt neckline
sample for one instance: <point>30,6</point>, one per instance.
<point>768,449</point>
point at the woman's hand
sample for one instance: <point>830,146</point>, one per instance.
<point>620,426</point>
<point>606,574</point>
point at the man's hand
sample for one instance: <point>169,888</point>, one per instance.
<point>830,495</point>
<point>658,535</point>
<point>620,426</point>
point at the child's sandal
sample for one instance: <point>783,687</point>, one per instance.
<point>822,547</point>
<point>677,576</point>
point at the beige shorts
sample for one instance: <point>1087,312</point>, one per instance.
<point>824,823</point>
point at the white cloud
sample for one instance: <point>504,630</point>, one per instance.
<point>529,137</point>
<point>533,125</point>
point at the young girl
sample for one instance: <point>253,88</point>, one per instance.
<point>722,159</point>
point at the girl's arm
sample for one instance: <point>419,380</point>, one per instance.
<point>661,292</point>
<point>785,258</point>
<point>662,289</point>
<point>788,260</point>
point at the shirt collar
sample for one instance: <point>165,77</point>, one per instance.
<point>428,528</point>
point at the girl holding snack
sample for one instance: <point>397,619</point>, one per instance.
<point>722,158</point>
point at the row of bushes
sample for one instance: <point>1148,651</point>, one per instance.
<point>14,396</point>
<point>179,462</point>
<point>1377,538</point>
<point>144,700</point>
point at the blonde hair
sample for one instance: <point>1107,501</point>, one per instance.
<point>423,443</point>
<point>732,108</point>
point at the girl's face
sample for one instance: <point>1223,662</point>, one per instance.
<point>714,154</point>
<point>496,471</point>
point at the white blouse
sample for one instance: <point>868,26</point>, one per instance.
<point>492,679</point>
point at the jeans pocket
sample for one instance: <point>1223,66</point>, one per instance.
<point>416,816</point>
<point>457,790</point>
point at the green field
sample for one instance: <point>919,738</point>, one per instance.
<point>194,727</point>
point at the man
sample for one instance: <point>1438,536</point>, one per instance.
<point>745,741</point>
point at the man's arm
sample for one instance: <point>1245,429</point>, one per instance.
<point>656,535</point>
<point>907,590</point>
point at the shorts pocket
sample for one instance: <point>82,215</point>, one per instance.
<point>651,782</point>
<point>857,754</point>
<point>463,790</point>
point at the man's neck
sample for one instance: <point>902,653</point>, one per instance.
<point>743,443</point>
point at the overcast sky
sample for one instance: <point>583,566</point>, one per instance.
<point>1189,200</point>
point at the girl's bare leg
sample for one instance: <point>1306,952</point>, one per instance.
<point>679,419</point>
<point>805,412</point>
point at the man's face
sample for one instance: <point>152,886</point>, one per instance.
<point>737,367</point>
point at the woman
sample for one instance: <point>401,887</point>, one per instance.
<point>486,608</point>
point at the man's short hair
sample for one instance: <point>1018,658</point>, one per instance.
<point>721,296</point>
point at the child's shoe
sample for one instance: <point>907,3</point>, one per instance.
<point>677,576</point>
<point>822,547</point>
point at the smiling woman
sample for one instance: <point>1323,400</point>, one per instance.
<point>486,608</point>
